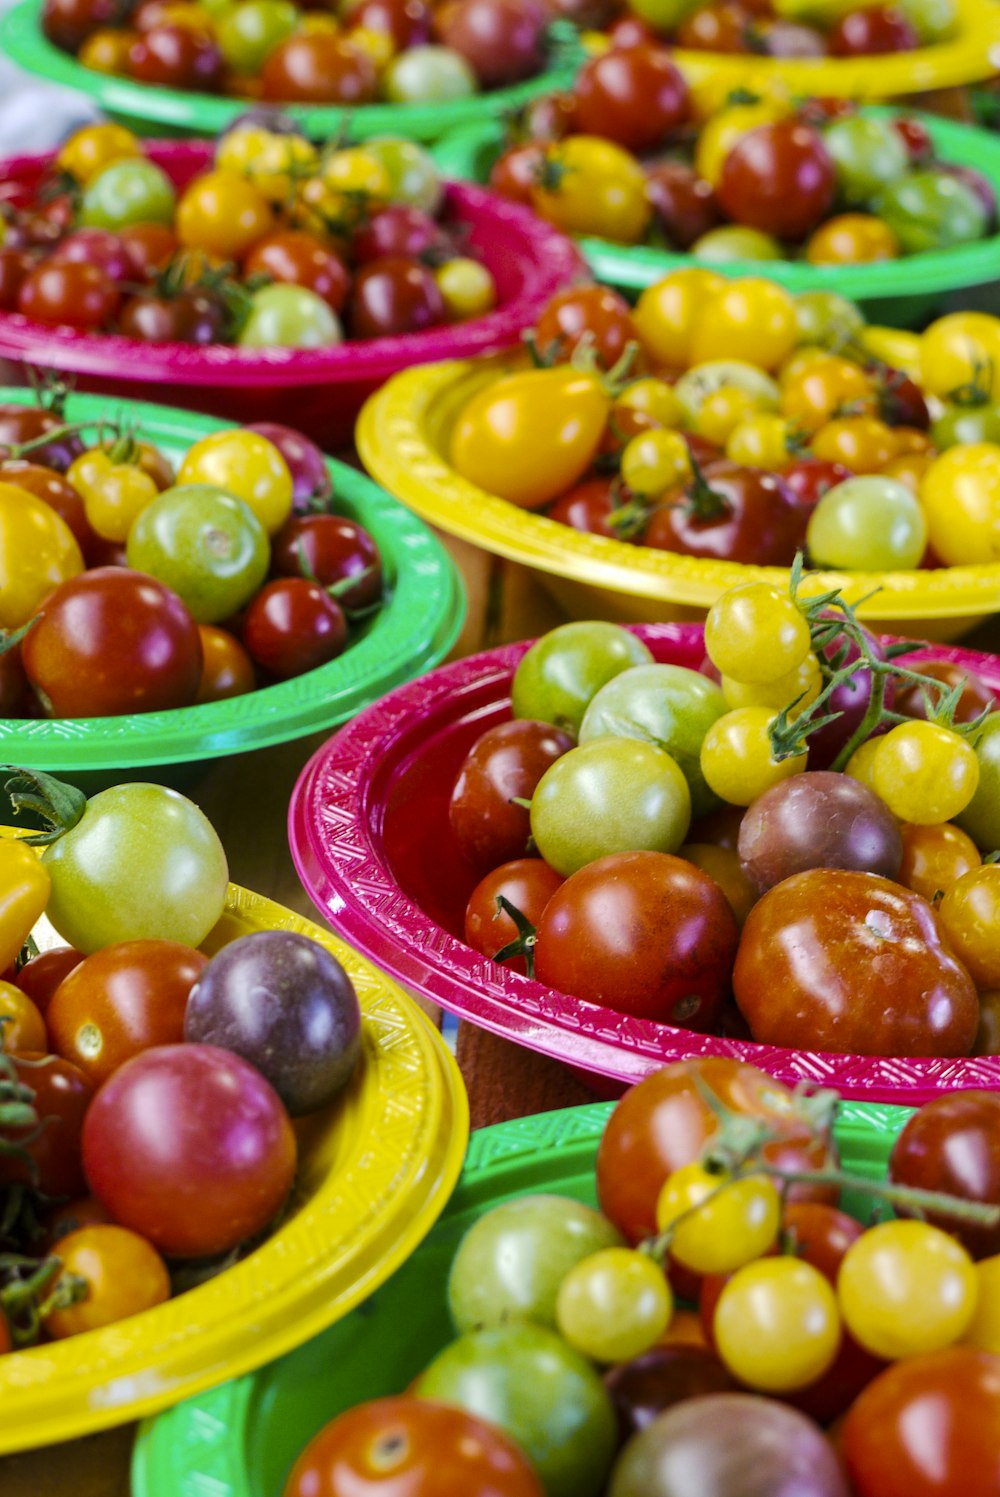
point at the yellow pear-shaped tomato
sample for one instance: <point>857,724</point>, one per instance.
<point>37,552</point>
<point>591,186</point>
<point>530,436</point>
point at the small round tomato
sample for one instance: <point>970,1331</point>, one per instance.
<point>852,239</point>
<point>38,552</point>
<point>737,757</point>
<point>960,495</point>
<point>970,915</point>
<point>750,319</point>
<point>69,293</point>
<point>778,178</point>
<point>975,699</point>
<point>302,260</point>
<point>614,1305</point>
<point>62,1095</point>
<point>393,296</point>
<point>245,464</point>
<point>906,1288</point>
<point>666,314</point>
<point>594,312</point>
<point>90,150</point>
<point>777,1326</point>
<point>953,1144</point>
<point>935,857</point>
<point>176,57</point>
<point>226,668</point>
<point>293,626</point>
<point>503,767</point>
<point>635,96</point>
<point>41,975</point>
<point>588,185</point>
<point>526,883</point>
<point>124,1275</point>
<point>317,68</point>
<point>222,214</point>
<point>21,1024</point>
<point>718,1226</point>
<point>925,773</point>
<point>817,390</point>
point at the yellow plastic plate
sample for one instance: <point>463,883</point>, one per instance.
<point>376,1169</point>
<point>403,438</point>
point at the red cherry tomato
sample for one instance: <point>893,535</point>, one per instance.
<point>526,883</point>
<point>778,178</point>
<point>176,57</point>
<point>299,259</point>
<point>737,514</point>
<point>873,30</point>
<point>42,974</point>
<point>74,294</point>
<point>293,626</point>
<point>394,295</point>
<point>953,1144</point>
<point>635,96</point>
<point>331,549</point>
<point>503,766</point>
<point>62,1095</point>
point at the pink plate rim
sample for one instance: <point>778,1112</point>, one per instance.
<point>335,823</point>
<point>547,259</point>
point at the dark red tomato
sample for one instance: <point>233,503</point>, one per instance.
<point>68,23</point>
<point>16,696</point>
<point>300,259</point>
<point>590,506</point>
<point>6,1344</point>
<point>777,38</point>
<point>405,1447</point>
<point>503,41</point>
<point>916,137</point>
<point>408,22</point>
<point>331,550</point>
<point>394,295</point>
<point>74,295</point>
<point>820,112</point>
<point>398,230</point>
<point>113,641</point>
<point>588,15</point>
<point>305,462</point>
<point>875,29</point>
<point>809,478</point>
<point>595,311</point>
<point>643,1389</point>
<point>57,492</point>
<point>551,117</point>
<point>635,96</point>
<point>42,974</point>
<point>95,247</point>
<point>779,178</point>
<point>120,1001</point>
<point>719,828</point>
<point>25,423</point>
<point>62,1096</point>
<point>632,31</point>
<point>733,513</point>
<point>725,26</point>
<point>643,933</point>
<point>149,248</point>
<point>526,883</point>
<point>517,171</point>
<point>900,400</point>
<point>190,1147</point>
<point>227,670</point>
<point>176,57</point>
<point>976,696</point>
<point>928,1427</point>
<point>293,626</point>
<point>202,316</point>
<point>504,765</point>
<point>831,1395</point>
<point>153,319</point>
<point>14,267</point>
<point>821,951</point>
<point>684,203</point>
<point>820,1235</point>
<point>953,1144</point>
<point>664,1123</point>
<point>316,68</point>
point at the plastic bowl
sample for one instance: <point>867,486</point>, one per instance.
<point>414,629</point>
<point>240,1440</point>
<point>901,293</point>
<point>370,839</point>
<point>403,435</point>
<point>318,391</point>
<point>151,110</point>
<point>375,1170</point>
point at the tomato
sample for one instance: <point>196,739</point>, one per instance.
<point>925,773</point>
<point>124,1275</point>
<point>818,954</point>
<point>526,883</point>
<point>724,130</point>
<point>559,676</point>
<point>21,1025</point>
<point>809,478</point>
<point>614,1305</point>
<point>821,388</point>
<point>334,550</point>
<point>751,319</point>
<point>951,1144</point>
<point>655,461</point>
<point>852,239</point>
<point>817,820</point>
<point>175,56</point>
<point>862,443</point>
<point>127,193</point>
<point>906,1288</point>
<point>299,258</point>
<point>68,23</point>
<point>737,758</point>
<point>928,1427</point>
<point>590,506</point>
<point>41,975</point>
<point>427,75</point>
<point>392,296</point>
<point>293,626</point>
<point>503,40</point>
<point>318,69</point>
<point>684,203</point>
<point>503,766</point>
<point>594,312</point>
<point>223,214</point>
<point>961,498</point>
<point>592,186</point>
<point>516,171</point>
<point>88,151</point>
<point>226,670</point>
<point>408,22</point>
<point>634,96</point>
<point>399,1447</point>
<point>959,351</point>
<point>931,210</point>
<point>648,1385</point>
<point>717,1226</point>
<point>247,34</point>
<point>778,178</point>
<point>529,436</point>
<point>24,893</point>
<point>666,313</point>
<point>68,293</point>
<point>935,857</point>
<point>114,494</point>
<point>62,1094</point>
<point>730,512</point>
<point>37,553</point>
<point>777,1326</point>
<point>975,699</point>
<point>57,492</point>
<point>107,51</point>
<point>246,464</point>
<point>204,544</point>
<point>149,248</point>
<point>750,617</point>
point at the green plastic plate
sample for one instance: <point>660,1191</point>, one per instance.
<point>902,292</point>
<point>169,111</point>
<point>414,630</point>
<point>240,1439</point>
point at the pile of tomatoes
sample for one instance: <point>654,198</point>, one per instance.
<point>405,51</point>
<point>759,180</point>
<point>758,423</point>
<point>575,1375</point>
<point>127,587</point>
<point>277,245</point>
<point>144,1111</point>
<point>800,29</point>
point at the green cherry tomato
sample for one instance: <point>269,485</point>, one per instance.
<point>931,211</point>
<point>735,242</point>
<point>665,705</point>
<point>129,192</point>
<point>557,678</point>
<point>932,20</point>
<point>205,544</point>
<point>614,1305</point>
<point>981,817</point>
<point>425,75</point>
<point>540,1392</point>
<point>868,154</point>
<point>249,32</point>
<point>142,863</point>
<point>510,1263</point>
<point>412,171</point>
<point>826,320</point>
<point>867,524</point>
<point>960,425</point>
<point>664,15</point>
<point>906,1288</point>
<point>284,316</point>
<point>607,796</point>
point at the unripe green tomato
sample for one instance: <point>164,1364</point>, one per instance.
<point>290,317</point>
<point>963,425</point>
<point>249,32</point>
<point>664,15</point>
<point>566,668</point>
<point>129,192</point>
<point>736,242</point>
<point>981,817</point>
<point>428,75</point>
<point>867,153</point>
<point>867,524</point>
<point>412,171</point>
<point>204,543</point>
<point>931,211</point>
<point>932,20</point>
<point>825,319</point>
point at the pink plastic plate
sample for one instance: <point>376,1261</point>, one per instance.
<point>319,391</point>
<point>369,835</point>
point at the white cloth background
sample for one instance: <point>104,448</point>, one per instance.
<point>35,116</point>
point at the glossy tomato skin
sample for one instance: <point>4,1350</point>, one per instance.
<point>502,40</point>
<point>526,883</point>
<point>685,204</point>
<point>753,518</point>
<point>976,695</point>
<point>589,507</point>
<point>75,294</point>
<point>635,96</point>
<point>305,462</point>
<point>190,1147</point>
<point>318,69</point>
<point>24,423</point>
<point>41,975</point>
<point>515,173</point>
<point>817,820</point>
<point>928,1426</point>
<point>596,311</point>
<point>870,31</point>
<point>94,247</point>
<point>507,762</point>
<point>57,492</point>
<point>809,478</point>
<point>176,57</point>
<point>664,1123</point>
<point>646,1387</point>
<point>113,641</point>
<point>398,229</point>
<point>408,22</point>
<point>779,178</point>
<point>395,295</point>
<point>68,23</point>
<point>15,265</point>
<point>644,933</point>
<point>299,259</point>
<point>402,1447</point>
<point>833,959</point>
<point>953,1144</point>
<point>62,1094</point>
<point>333,549</point>
<point>293,626</point>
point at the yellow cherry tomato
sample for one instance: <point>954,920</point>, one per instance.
<point>984,1332</point>
<point>762,440</point>
<point>116,498</point>
<point>750,319</point>
<point>861,763</point>
<point>723,865</point>
<point>721,412</point>
<point>223,214</point>
<point>960,350</point>
<point>655,461</point>
<point>591,186</point>
<point>862,443</point>
<point>655,398</point>
<point>245,464</point>
<point>378,45</point>
<point>279,164</point>
<point>800,686</point>
<point>37,552</point>
<point>800,359</point>
<point>755,634</point>
<point>529,436</point>
<point>822,389</point>
<point>356,171</point>
<point>736,756</point>
<point>107,51</point>
<point>852,239</point>
<point>910,468</point>
<point>189,16</point>
<point>90,150</point>
<point>718,1224</point>
<point>960,494</point>
<point>318,23</point>
<point>924,772</point>
<point>906,1288</point>
<point>467,288</point>
<point>666,313</point>
<point>723,131</point>
<point>777,1326</point>
<point>24,893</point>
